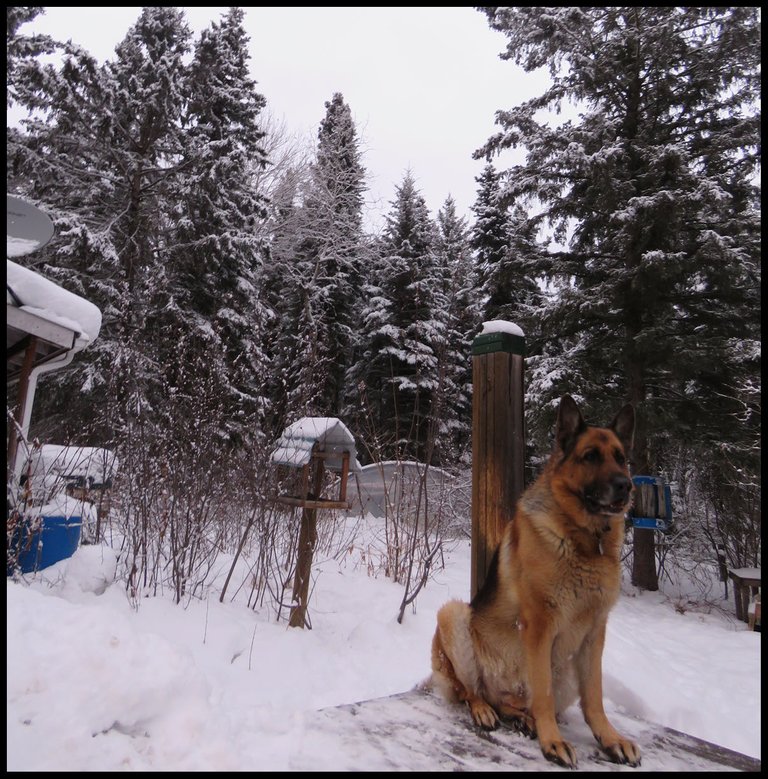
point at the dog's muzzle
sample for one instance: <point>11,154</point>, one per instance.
<point>610,497</point>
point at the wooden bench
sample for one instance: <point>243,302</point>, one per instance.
<point>418,731</point>
<point>746,583</point>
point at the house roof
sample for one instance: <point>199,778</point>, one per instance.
<point>60,320</point>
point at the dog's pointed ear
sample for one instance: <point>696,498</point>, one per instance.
<point>570,424</point>
<point>624,426</point>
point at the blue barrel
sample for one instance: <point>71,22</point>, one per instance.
<point>60,537</point>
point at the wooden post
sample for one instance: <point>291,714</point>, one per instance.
<point>498,442</point>
<point>307,541</point>
<point>18,411</point>
<point>344,476</point>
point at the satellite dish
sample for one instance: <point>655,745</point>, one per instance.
<point>28,228</point>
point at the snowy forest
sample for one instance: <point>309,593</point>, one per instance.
<point>240,289</point>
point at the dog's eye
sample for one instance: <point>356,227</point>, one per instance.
<point>619,457</point>
<point>592,456</point>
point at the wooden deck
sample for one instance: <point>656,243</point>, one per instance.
<point>418,731</point>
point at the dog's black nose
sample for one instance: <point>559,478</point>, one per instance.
<point>621,486</point>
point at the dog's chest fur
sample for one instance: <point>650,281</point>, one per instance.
<point>572,572</point>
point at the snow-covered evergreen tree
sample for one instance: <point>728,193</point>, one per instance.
<point>397,373</point>
<point>318,252</point>
<point>105,145</point>
<point>453,257</point>
<point>507,258</point>
<point>653,190</point>
<point>491,236</point>
<point>21,52</point>
<point>213,257</point>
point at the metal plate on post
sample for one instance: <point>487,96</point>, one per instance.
<point>499,342</point>
<point>650,523</point>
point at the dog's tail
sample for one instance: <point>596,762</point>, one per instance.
<point>425,685</point>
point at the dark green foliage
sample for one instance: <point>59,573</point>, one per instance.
<point>318,253</point>
<point>506,256</point>
<point>105,147</point>
<point>652,191</point>
<point>144,163</point>
<point>214,260</point>
<point>462,322</point>
<point>20,52</point>
<point>397,374</point>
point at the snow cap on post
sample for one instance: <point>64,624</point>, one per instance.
<point>499,335</point>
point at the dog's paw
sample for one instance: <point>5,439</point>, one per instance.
<point>560,752</point>
<point>522,723</point>
<point>483,714</point>
<point>622,750</point>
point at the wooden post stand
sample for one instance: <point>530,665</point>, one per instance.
<point>498,442</point>
<point>18,411</point>
<point>306,549</point>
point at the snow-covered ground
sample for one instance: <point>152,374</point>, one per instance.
<point>96,685</point>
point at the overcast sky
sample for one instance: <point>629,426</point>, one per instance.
<point>423,84</point>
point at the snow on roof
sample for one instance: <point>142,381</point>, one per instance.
<point>16,247</point>
<point>294,447</point>
<point>501,326</point>
<point>52,467</point>
<point>46,299</point>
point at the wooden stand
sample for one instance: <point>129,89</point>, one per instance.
<point>746,581</point>
<point>498,443</point>
<point>310,501</point>
<point>307,541</point>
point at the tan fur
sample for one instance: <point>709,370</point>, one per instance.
<point>531,642</point>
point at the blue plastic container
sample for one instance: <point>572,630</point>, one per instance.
<point>60,538</point>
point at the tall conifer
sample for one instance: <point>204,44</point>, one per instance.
<point>319,252</point>
<point>653,190</point>
<point>397,374</point>
<point>462,314</point>
<point>211,299</point>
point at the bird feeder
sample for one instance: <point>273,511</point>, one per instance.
<point>652,505</point>
<point>309,447</point>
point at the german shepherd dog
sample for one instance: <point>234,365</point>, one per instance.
<point>531,641</point>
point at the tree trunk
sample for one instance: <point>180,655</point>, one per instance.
<point>644,573</point>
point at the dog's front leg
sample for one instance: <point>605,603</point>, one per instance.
<point>589,668</point>
<point>538,637</point>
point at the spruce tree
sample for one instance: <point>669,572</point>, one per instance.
<point>106,144</point>
<point>338,184</point>
<point>507,257</point>
<point>213,257</point>
<point>397,372</point>
<point>318,252</point>
<point>652,189</point>
<point>491,237</point>
<point>453,257</point>
<point>21,53</point>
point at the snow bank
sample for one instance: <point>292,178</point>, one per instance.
<point>96,683</point>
